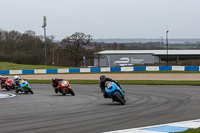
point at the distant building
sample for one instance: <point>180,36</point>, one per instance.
<point>141,57</point>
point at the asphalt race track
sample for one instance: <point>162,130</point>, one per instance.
<point>89,112</point>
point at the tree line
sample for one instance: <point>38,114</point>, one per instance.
<point>28,48</point>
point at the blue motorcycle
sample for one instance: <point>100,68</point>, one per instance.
<point>114,92</point>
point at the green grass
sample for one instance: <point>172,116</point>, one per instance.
<point>124,82</point>
<point>191,131</point>
<point>14,66</point>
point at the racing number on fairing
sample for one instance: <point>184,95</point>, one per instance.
<point>64,83</point>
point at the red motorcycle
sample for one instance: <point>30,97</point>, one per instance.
<point>7,83</point>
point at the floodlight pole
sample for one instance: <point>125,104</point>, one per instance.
<point>167,45</point>
<point>45,48</point>
<point>53,57</point>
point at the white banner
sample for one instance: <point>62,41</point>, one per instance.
<point>63,70</point>
<point>15,71</point>
<point>105,69</point>
<point>126,69</point>
<point>84,69</point>
<point>152,68</point>
<point>38,71</point>
<point>178,68</point>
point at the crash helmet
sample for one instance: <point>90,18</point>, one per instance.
<point>16,77</point>
<point>102,78</point>
<point>108,84</point>
<point>53,79</point>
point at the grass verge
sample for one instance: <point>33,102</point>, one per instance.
<point>14,66</point>
<point>125,82</point>
<point>191,131</point>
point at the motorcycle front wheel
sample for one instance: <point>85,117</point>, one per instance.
<point>30,90</point>
<point>118,98</point>
<point>71,92</point>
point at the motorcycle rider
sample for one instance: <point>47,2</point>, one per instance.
<point>103,80</point>
<point>3,79</point>
<point>16,79</point>
<point>16,82</point>
<point>55,83</point>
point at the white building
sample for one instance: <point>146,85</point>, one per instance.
<point>133,57</point>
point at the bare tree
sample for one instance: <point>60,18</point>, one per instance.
<point>122,46</point>
<point>75,45</point>
<point>114,46</point>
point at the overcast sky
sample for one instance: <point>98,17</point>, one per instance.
<point>104,18</point>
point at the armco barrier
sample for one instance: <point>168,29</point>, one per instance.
<point>165,68</point>
<point>104,69</point>
<point>115,69</point>
<point>139,68</point>
<point>95,69</point>
<point>27,71</point>
<point>191,68</point>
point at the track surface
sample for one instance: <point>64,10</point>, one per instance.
<point>89,112</point>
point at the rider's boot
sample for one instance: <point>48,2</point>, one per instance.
<point>105,95</point>
<point>56,91</point>
<point>58,88</point>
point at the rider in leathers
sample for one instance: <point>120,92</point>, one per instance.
<point>103,80</point>
<point>55,83</point>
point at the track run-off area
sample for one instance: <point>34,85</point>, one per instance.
<point>89,112</point>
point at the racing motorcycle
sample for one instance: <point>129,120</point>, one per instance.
<point>8,84</point>
<point>114,92</point>
<point>64,88</point>
<point>23,86</point>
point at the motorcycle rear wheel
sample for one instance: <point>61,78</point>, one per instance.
<point>64,92</point>
<point>7,88</point>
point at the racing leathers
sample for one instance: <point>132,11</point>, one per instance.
<point>55,84</point>
<point>102,86</point>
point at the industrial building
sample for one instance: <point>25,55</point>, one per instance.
<point>141,57</point>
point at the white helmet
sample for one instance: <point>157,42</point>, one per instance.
<point>16,77</point>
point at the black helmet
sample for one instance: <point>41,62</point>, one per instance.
<point>102,77</point>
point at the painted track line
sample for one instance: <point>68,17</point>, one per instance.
<point>2,95</point>
<point>163,128</point>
